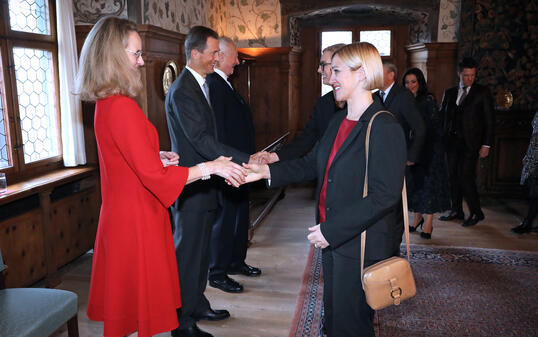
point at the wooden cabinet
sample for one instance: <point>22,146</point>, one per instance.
<point>47,222</point>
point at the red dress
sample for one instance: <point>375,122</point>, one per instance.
<point>134,282</point>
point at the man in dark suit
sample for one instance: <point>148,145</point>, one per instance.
<point>193,135</point>
<point>401,103</point>
<point>468,126</point>
<point>323,112</point>
<point>229,237</point>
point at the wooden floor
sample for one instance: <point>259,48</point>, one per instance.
<point>279,248</point>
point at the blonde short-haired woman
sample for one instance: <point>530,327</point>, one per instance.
<point>338,162</point>
<point>134,282</point>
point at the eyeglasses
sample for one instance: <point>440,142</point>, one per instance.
<point>138,53</point>
<point>323,64</point>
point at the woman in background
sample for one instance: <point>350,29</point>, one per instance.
<point>338,162</point>
<point>134,282</point>
<point>529,177</point>
<point>428,192</point>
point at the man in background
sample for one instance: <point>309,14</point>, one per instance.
<point>324,110</point>
<point>229,237</point>
<point>401,103</point>
<point>468,126</point>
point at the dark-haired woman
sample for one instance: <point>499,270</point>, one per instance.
<point>428,192</point>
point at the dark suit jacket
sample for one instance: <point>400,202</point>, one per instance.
<point>193,136</point>
<point>234,125</point>
<point>232,114</point>
<point>401,103</point>
<point>477,116</point>
<point>324,110</point>
<point>347,213</point>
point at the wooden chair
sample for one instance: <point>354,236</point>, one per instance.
<point>35,312</point>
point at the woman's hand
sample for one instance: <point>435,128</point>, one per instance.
<point>224,167</point>
<point>263,157</point>
<point>169,158</point>
<point>316,237</point>
<point>256,172</point>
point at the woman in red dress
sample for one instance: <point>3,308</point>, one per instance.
<point>134,282</point>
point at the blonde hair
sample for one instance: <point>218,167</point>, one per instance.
<point>365,55</point>
<point>104,68</point>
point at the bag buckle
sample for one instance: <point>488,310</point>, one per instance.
<point>396,292</point>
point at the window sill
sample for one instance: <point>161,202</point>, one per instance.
<point>45,182</point>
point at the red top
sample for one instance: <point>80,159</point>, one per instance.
<point>344,131</point>
<point>134,283</point>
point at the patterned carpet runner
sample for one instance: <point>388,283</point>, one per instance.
<point>460,292</point>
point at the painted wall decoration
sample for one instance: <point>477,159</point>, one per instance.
<point>255,23</point>
<point>449,20</point>
<point>89,11</point>
<point>180,15</point>
<point>501,35</point>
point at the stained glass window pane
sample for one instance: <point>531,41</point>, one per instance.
<point>379,38</point>
<point>37,110</point>
<point>30,16</point>
<point>329,39</point>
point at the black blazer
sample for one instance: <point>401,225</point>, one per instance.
<point>324,110</point>
<point>347,213</point>
<point>232,114</point>
<point>193,136</point>
<point>478,128</point>
<point>401,103</point>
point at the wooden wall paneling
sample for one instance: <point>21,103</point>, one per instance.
<point>441,67</point>
<point>499,174</point>
<point>310,79</point>
<point>74,230</point>
<point>160,46</point>
<point>294,91</point>
<point>26,261</point>
<point>269,91</point>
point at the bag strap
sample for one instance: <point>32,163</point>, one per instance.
<point>365,193</point>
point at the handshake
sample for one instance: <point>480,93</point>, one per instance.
<point>234,174</point>
<point>237,175</point>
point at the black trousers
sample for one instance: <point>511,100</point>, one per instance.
<point>192,232</point>
<point>346,312</point>
<point>229,236</point>
<point>462,175</point>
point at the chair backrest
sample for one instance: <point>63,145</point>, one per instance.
<point>2,265</point>
<point>2,272</point>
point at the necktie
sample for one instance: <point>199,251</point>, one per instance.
<point>205,89</point>
<point>463,95</point>
<point>382,95</point>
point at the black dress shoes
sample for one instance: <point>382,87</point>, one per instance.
<point>524,227</point>
<point>193,331</point>
<point>473,220</point>
<point>452,216</point>
<point>246,270</point>
<point>226,284</point>
<point>212,315</point>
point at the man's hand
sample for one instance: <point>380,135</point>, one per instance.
<point>263,157</point>
<point>316,237</point>
<point>484,151</point>
<point>256,172</point>
<point>410,163</point>
<point>169,158</point>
